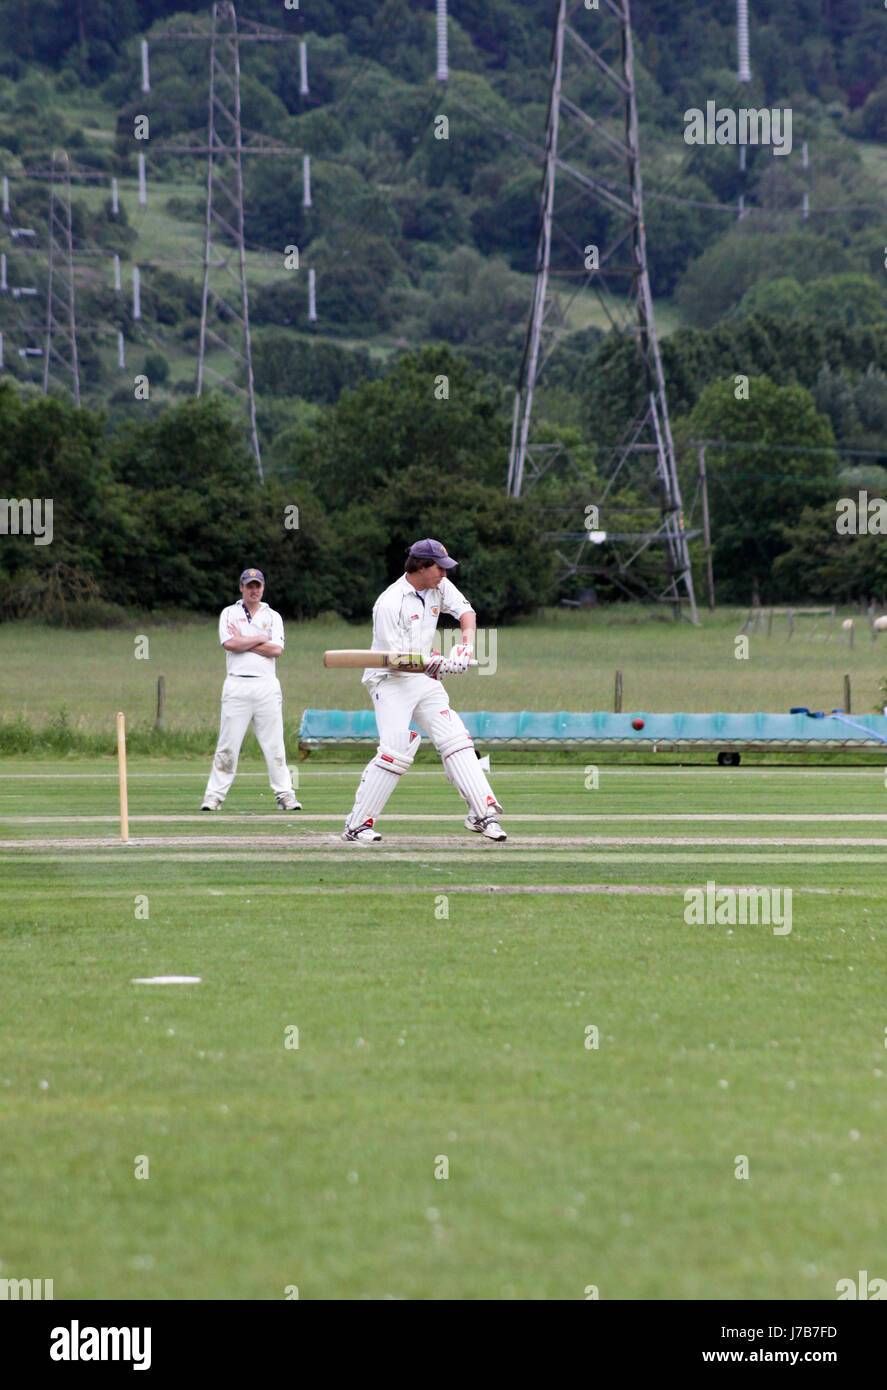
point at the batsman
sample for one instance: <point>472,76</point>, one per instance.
<point>405,619</point>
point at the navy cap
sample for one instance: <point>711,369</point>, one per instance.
<point>252,576</point>
<point>434,551</point>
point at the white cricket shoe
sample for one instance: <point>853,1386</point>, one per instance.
<point>485,825</point>
<point>362,834</point>
<point>288,802</point>
<point>210,804</point>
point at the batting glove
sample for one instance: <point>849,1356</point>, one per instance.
<point>434,665</point>
<point>460,658</point>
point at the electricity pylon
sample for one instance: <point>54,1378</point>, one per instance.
<point>224,250</point>
<point>591,237</point>
<point>60,364</point>
<point>224,213</point>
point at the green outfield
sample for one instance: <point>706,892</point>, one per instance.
<point>72,683</point>
<point>448,995</point>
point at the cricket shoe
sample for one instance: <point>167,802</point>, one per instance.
<point>287,802</point>
<point>363,834</point>
<point>210,804</point>
<point>485,825</point>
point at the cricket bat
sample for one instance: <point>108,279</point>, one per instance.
<point>404,661</point>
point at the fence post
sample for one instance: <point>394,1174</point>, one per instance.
<point>159,722</point>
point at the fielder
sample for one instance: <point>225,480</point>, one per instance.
<point>405,619</point>
<point>252,635</point>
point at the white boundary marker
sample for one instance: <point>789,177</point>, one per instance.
<point>166,980</point>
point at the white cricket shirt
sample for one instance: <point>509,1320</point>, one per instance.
<point>264,621</point>
<point>405,620</point>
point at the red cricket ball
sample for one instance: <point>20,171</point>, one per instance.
<point>637,723</point>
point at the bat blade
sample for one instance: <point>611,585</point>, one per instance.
<point>357,658</point>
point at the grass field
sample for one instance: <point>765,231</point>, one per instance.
<point>442,989</point>
<point>445,991</point>
<point>90,675</point>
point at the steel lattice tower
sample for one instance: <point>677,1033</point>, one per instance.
<point>224,283</point>
<point>224,213</point>
<point>591,237</point>
<point>60,365</point>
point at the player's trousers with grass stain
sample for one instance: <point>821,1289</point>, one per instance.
<point>398,700</point>
<point>256,700</point>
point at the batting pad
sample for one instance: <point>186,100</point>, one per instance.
<point>464,771</point>
<point>380,777</point>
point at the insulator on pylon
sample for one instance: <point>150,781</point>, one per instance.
<point>443,71</point>
<point>744,72</point>
<point>312,296</point>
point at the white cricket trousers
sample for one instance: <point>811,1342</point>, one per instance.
<point>401,698</point>
<point>256,700</point>
<point>397,699</point>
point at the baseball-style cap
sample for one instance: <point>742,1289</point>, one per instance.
<point>256,576</point>
<point>432,550</point>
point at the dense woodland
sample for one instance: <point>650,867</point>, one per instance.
<point>423,252</point>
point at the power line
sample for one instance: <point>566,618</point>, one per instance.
<point>787,448</point>
<point>769,212</point>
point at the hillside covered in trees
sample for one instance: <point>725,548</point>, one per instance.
<point>423,251</point>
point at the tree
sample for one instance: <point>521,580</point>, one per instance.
<point>745,255</point>
<point>317,371</point>
<point>676,234</point>
<point>504,565</point>
<point>195,502</point>
<point>759,488</point>
<point>474,300</point>
<point>399,425</point>
<point>821,565</point>
<point>53,451</point>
